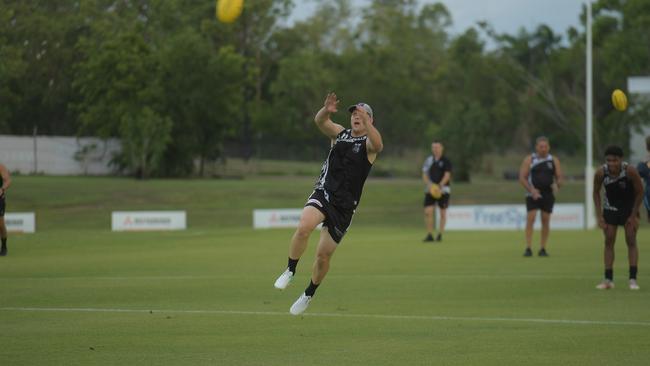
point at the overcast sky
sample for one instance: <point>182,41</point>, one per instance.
<point>506,16</point>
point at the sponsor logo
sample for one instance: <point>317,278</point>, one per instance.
<point>356,148</point>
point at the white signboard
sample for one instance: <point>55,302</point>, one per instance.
<point>511,217</point>
<point>277,218</point>
<point>21,222</point>
<point>148,220</point>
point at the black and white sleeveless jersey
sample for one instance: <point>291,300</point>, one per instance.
<point>542,173</point>
<point>345,170</point>
<point>619,190</point>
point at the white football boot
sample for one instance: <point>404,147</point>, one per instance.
<point>634,285</point>
<point>283,281</point>
<point>605,285</point>
<point>300,305</point>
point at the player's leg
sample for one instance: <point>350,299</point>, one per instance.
<point>309,219</point>
<point>3,236</point>
<point>632,255</point>
<point>608,256</point>
<point>443,204</point>
<point>428,221</point>
<point>546,228</point>
<point>324,253</point>
<point>530,221</point>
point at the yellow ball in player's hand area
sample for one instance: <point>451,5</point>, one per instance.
<point>229,10</point>
<point>435,191</point>
<point>619,100</point>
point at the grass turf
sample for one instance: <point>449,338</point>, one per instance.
<point>76,294</point>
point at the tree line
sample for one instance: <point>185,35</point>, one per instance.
<point>181,89</point>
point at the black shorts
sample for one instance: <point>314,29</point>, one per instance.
<point>443,201</point>
<point>2,206</point>
<point>618,218</point>
<point>545,203</point>
<point>337,220</point>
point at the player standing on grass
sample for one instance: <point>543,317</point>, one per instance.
<point>436,170</point>
<point>540,174</point>
<point>336,194</point>
<point>5,182</point>
<point>623,196</point>
<point>644,171</point>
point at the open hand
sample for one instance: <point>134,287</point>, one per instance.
<point>331,103</point>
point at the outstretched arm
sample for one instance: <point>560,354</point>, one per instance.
<point>323,121</point>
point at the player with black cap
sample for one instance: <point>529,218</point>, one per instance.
<point>336,194</point>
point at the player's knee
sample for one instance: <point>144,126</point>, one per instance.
<point>303,231</point>
<point>323,257</point>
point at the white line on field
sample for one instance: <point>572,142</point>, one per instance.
<point>460,276</point>
<point>336,315</point>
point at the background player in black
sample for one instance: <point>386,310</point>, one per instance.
<point>644,171</point>
<point>436,169</point>
<point>623,196</point>
<point>541,175</point>
<point>337,191</point>
<point>5,182</point>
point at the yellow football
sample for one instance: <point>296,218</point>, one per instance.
<point>435,191</point>
<point>619,100</point>
<point>229,10</point>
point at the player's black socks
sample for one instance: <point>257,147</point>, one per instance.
<point>3,249</point>
<point>633,270</point>
<point>311,289</point>
<point>292,265</point>
<point>609,274</point>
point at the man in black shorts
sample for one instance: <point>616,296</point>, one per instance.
<point>436,170</point>
<point>623,197</point>
<point>5,182</point>
<point>336,194</point>
<point>540,174</point>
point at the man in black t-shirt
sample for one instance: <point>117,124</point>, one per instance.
<point>436,170</point>
<point>540,174</point>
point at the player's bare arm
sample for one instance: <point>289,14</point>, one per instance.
<point>323,120</point>
<point>599,177</point>
<point>445,179</point>
<point>559,175</point>
<point>6,179</point>
<point>524,171</point>
<point>374,143</point>
<point>633,220</point>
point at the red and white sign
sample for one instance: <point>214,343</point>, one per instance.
<point>510,217</point>
<point>148,220</point>
<point>20,222</point>
<point>276,218</point>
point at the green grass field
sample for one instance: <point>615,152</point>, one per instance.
<point>75,293</point>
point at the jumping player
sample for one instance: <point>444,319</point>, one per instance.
<point>336,194</point>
